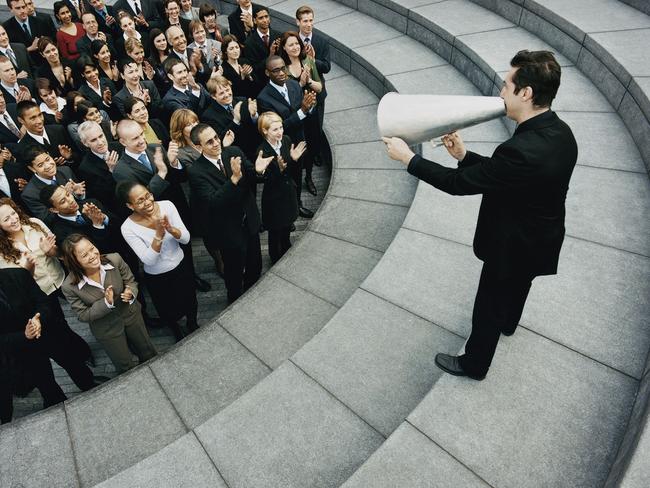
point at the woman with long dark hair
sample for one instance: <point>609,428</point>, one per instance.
<point>57,70</point>
<point>236,69</point>
<point>69,32</point>
<point>106,65</point>
<point>159,49</point>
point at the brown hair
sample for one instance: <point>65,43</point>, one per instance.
<point>131,44</point>
<point>225,42</point>
<point>7,249</point>
<point>283,40</point>
<point>305,9</point>
<point>215,82</point>
<point>181,118</point>
<point>43,42</point>
<point>70,259</point>
<point>540,71</point>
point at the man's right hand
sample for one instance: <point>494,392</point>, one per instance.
<point>455,145</point>
<point>235,166</point>
<point>308,101</point>
<point>159,163</point>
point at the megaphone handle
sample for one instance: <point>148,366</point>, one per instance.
<point>436,143</point>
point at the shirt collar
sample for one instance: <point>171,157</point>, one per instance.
<point>10,88</point>
<point>101,156</point>
<point>214,161</point>
<point>49,182</point>
<point>134,155</point>
<point>38,138</point>
<point>281,89</point>
<point>102,276</point>
<point>71,218</point>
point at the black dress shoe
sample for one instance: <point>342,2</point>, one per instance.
<point>451,364</point>
<point>201,284</point>
<point>305,212</point>
<point>318,162</point>
<point>153,322</point>
<point>311,188</point>
<point>507,333</point>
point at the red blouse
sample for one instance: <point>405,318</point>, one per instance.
<point>67,43</point>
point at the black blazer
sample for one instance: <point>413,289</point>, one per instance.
<point>23,61</point>
<point>7,137</point>
<point>129,169</point>
<point>322,48</point>
<point>31,193</point>
<point>524,185</point>
<point>270,99</point>
<point>149,10</point>
<point>84,46</point>
<point>38,27</point>
<point>279,201</point>
<point>246,135</point>
<point>257,53</point>
<point>9,97</point>
<point>155,107</point>
<point>227,213</point>
<point>99,180</point>
<point>175,99</point>
<point>47,23</point>
<point>201,77</point>
<point>97,100</point>
<point>114,28</point>
<point>236,26</point>
<point>45,71</point>
<point>13,170</point>
<point>57,135</point>
<point>241,88</point>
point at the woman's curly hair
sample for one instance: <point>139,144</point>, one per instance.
<point>7,250</point>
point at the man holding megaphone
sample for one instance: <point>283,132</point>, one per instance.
<point>520,226</point>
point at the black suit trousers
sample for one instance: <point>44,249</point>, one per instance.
<point>498,306</point>
<point>242,267</point>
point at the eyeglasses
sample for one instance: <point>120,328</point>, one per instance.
<point>278,70</point>
<point>143,199</point>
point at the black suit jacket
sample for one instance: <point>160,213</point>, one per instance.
<point>47,23</point>
<point>129,169</point>
<point>257,53</point>
<point>45,71</point>
<point>201,77</point>
<point>270,99</point>
<point>322,48</point>
<point>29,83</point>
<point>31,193</point>
<point>227,213</point>
<point>155,107</point>
<point>236,26</point>
<point>246,135</point>
<point>97,100</point>
<point>57,135</point>
<point>38,27</point>
<point>84,46</point>
<point>23,61</point>
<point>524,185</point>
<point>99,180</point>
<point>13,171</point>
<point>175,99</point>
<point>279,201</point>
<point>149,10</point>
<point>114,28</point>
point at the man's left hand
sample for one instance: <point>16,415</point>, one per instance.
<point>398,149</point>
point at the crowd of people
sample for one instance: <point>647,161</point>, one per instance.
<point>125,131</point>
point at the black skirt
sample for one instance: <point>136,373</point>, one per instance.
<point>173,293</point>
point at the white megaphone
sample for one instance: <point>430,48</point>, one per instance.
<point>419,118</point>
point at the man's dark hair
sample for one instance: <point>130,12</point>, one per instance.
<point>170,63</point>
<point>271,58</point>
<point>195,134</point>
<point>46,193</point>
<point>24,106</point>
<point>540,71</point>
<point>259,8</point>
<point>31,152</point>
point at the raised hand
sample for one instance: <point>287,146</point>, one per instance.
<point>310,51</point>
<point>236,112</point>
<point>107,96</point>
<point>297,151</point>
<point>33,327</point>
<point>100,34</point>
<point>247,20</point>
<point>5,155</point>
<point>308,101</point>
<point>94,213</point>
<point>148,71</point>
<point>235,167</point>
<point>454,145</point>
<point>304,76</point>
<point>398,149</point>
<point>28,261</point>
<point>252,107</point>
<point>127,295</point>
<point>111,161</point>
<point>282,164</point>
<point>65,151</point>
<point>48,245</point>
<point>246,71</point>
<point>159,163</point>
<point>108,294</point>
<point>67,73</point>
<point>172,152</point>
<point>21,182</point>
<point>22,75</point>
<point>261,163</point>
<point>23,94</point>
<point>228,138</point>
<point>77,188</point>
<point>164,222</point>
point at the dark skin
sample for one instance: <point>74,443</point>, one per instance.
<point>276,70</point>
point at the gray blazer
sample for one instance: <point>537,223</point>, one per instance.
<point>89,305</point>
<point>210,43</point>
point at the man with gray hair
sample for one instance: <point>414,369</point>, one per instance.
<point>97,165</point>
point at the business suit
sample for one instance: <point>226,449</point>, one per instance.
<point>230,218</point>
<point>236,26</point>
<point>520,227</point>
<point>202,76</point>
<point>37,27</point>
<point>23,363</point>
<point>270,99</point>
<point>7,137</point>
<point>47,23</point>
<point>279,201</point>
<point>112,327</point>
<point>221,120</point>
<point>23,61</point>
<point>14,170</point>
<point>99,180</point>
<point>149,11</point>
<point>97,100</point>
<point>114,28</point>
<point>210,60</point>
<point>155,107</point>
<point>31,192</point>
<point>26,82</point>
<point>241,88</point>
<point>45,71</point>
<point>175,99</point>
<point>57,135</point>
<point>84,46</point>
<point>257,53</point>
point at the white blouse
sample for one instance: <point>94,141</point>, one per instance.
<point>48,273</point>
<point>140,238</point>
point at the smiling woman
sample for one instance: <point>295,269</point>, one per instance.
<point>69,32</point>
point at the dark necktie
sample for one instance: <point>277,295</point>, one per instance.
<point>27,33</point>
<point>306,40</point>
<point>80,219</point>
<point>220,166</point>
<point>265,38</point>
<point>229,109</point>
<point>137,8</point>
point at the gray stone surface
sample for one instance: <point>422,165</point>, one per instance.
<point>510,10</point>
<point>441,80</point>
<point>640,89</point>
<point>368,224</point>
<point>352,126</point>
<point>550,32</point>
<point>349,94</point>
<point>597,305</point>
<point>601,76</point>
<point>182,464</point>
<point>409,458</point>
<point>207,373</point>
<point>356,29</point>
<point>423,33</point>
<point>388,16</point>
<point>120,424</point>
<point>368,78</point>
<point>603,141</point>
<point>638,126</point>
<point>398,55</point>
<point>363,155</point>
<point>458,17</point>
<point>544,416</point>
<point>610,207</point>
<point>577,94</point>
<point>638,473</point>
<point>335,72</point>
<point>431,277</point>
<point>376,185</point>
<point>323,9</point>
<point>276,318</point>
<point>376,358</point>
<point>36,452</point>
<point>329,268</point>
<point>480,76</point>
<point>287,431</point>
